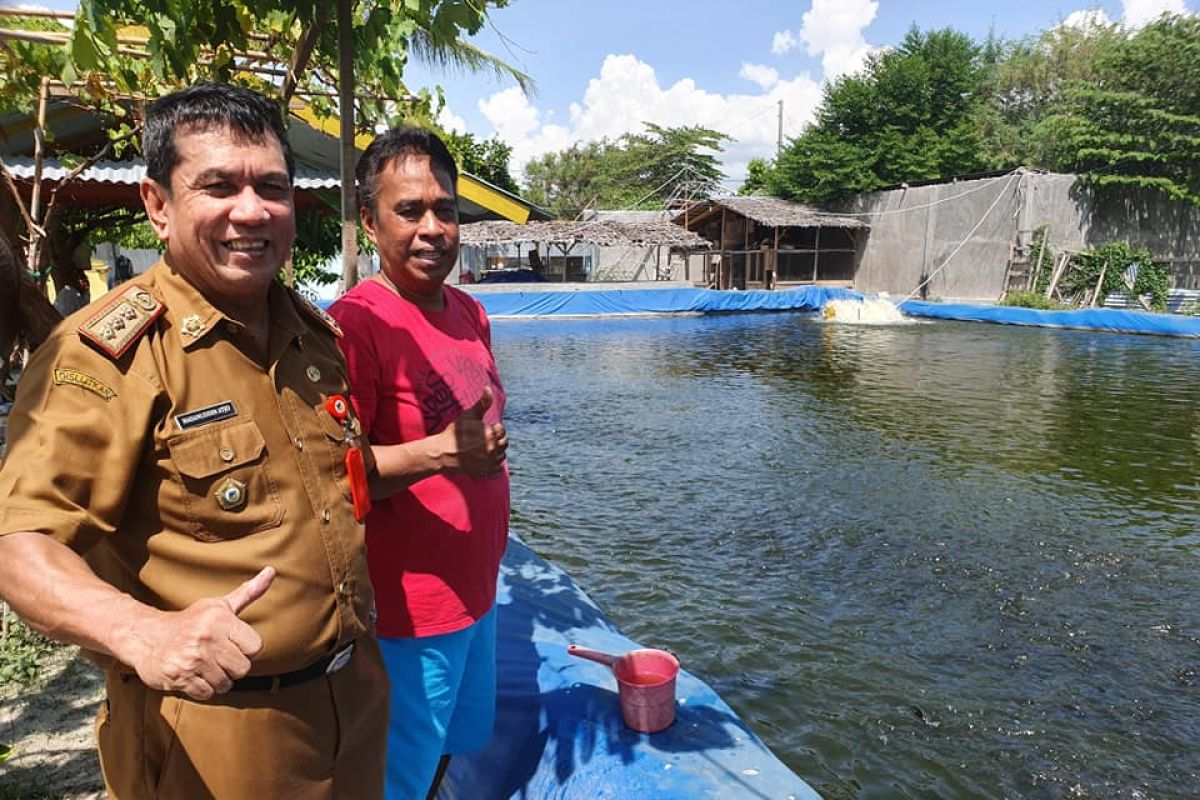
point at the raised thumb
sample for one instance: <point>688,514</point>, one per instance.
<point>481,405</point>
<point>251,590</point>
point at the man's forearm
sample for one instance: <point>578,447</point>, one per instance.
<point>58,595</point>
<point>398,466</point>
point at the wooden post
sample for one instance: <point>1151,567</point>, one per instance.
<point>816,254</point>
<point>721,266</point>
<point>345,22</point>
<point>33,253</point>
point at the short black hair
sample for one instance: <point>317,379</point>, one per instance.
<point>206,106</point>
<point>396,143</point>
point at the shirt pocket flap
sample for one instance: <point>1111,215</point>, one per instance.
<point>204,453</point>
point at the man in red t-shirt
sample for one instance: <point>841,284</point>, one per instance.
<point>431,403</point>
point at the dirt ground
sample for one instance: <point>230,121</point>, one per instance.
<point>49,728</point>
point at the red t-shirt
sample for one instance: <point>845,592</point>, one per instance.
<point>433,548</point>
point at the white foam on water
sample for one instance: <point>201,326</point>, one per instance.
<point>868,311</point>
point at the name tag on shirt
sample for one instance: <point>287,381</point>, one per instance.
<point>203,416</point>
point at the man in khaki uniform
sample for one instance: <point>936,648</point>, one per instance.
<point>184,436</point>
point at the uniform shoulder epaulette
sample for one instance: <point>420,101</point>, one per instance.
<point>121,320</point>
<point>316,312</point>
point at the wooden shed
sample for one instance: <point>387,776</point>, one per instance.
<point>564,251</point>
<point>764,242</point>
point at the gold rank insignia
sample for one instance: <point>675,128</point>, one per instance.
<point>192,325</point>
<point>316,312</point>
<point>121,319</point>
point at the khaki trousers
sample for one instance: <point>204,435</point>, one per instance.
<point>323,739</point>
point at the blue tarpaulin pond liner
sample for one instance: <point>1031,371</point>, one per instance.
<point>625,302</point>
<point>559,732</point>
<point>1098,319</point>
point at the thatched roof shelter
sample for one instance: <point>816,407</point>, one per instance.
<point>566,234</point>
<point>771,212</point>
<point>766,241</point>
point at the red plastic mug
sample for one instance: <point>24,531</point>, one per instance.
<point>645,685</point>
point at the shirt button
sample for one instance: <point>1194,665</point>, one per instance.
<point>343,588</point>
<point>226,454</point>
<point>313,373</point>
<point>325,516</point>
<point>298,442</point>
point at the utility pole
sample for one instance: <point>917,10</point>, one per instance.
<point>779,135</point>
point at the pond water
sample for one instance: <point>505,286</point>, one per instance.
<point>934,560</point>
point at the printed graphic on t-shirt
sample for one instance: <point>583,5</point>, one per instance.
<point>460,377</point>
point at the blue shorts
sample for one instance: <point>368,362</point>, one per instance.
<point>443,700</point>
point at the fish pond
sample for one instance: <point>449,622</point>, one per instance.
<point>928,560</point>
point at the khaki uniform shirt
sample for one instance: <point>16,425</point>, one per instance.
<point>147,435</point>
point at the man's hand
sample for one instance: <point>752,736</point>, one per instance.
<point>201,650</point>
<point>473,446</point>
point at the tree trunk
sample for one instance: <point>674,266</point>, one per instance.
<point>26,316</point>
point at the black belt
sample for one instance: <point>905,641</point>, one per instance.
<point>265,683</point>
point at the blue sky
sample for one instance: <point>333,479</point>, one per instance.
<point>604,67</point>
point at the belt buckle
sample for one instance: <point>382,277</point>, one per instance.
<point>340,659</point>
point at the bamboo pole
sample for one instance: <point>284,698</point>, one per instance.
<point>1060,269</point>
<point>1031,279</point>
<point>1099,285</point>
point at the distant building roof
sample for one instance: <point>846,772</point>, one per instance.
<point>130,173</point>
<point>772,212</point>
<point>594,215</point>
<point>600,233</point>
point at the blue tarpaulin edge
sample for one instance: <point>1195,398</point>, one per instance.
<point>559,732</point>
<point>1101,319</point>
<point>609,302</point>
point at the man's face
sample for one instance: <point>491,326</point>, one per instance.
<point>415,226</point>
<point>228,220</point>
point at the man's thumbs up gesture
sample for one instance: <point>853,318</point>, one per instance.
<point>472,445</point>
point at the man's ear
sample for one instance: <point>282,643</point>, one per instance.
<point>155,199</point>
<point>368,223</point>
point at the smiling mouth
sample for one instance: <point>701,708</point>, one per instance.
<point>251,246</point>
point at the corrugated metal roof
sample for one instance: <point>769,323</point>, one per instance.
<point>774,213</point>
<point>602,234</point>
<point>130,173</point>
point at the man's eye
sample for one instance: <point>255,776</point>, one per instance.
<point>274,190</point>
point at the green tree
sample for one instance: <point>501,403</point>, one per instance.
<point>647,170</point>
<point>1031,84</point>
<point>914,113</point>
<point>756,177</point>
<point>120,51</point>
<point>487,158</point>
<point>1136,123</point>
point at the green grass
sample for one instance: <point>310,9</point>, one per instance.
<point>22,653</point>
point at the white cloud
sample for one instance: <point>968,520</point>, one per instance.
<point>764,76</point>
<point>1094,18</point>
<point>1140,12</point>
<point>833,29</point>
<point>627,94</point>
<point>783,41</point>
